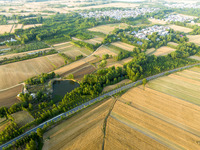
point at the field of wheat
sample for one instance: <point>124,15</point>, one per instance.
<point>169,134</point>
<point>5,29</point>
<point>164,50</point>
<point>106,29</point>
<point>157,21</point>
<point>124,46</point>
<point>82,131</point>
<point>104,50</point>
<point>180,28</point>
<point>194,39</point>
<point>94,40</point>
<point>14,73</point>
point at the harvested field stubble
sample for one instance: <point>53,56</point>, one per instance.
<point>120,136</point>
<point>82,131</point>
<point>8,97</point>
<point>166,107</point>
<point>106,29</point>
<point>75,66</point>
<point>124,46</point>
<point>164,50</point>
<point>104,50</point>
<point>157,128</point>
<point>194,39</point>
<point>14,73</point>
<point>5,29</point>
<point>180,28</point>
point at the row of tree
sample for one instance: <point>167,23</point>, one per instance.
<point>28,56</point>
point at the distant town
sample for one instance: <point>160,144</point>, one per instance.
<point>119,14</point>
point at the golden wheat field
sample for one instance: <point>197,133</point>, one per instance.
<point>157,21</point>
<point>164,50</point>
<point>122,136</point>
<point>179,28</point>
<point>16,26</point>
<point>5,29</point>
<point>124,46</point>
<point>164,106</point>
<point>82,131</point>
<point>31,26</point>
<point>106,29</point>
<point>194,39</point>
<point>104,50</point>
<point>169,134</point>
<point>150,51</point>
<point>94,40</point>
<point>14,73</point>
<point>68,69</point>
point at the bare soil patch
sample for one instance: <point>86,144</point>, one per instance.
<point>9,96</point>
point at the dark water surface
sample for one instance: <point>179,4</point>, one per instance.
<point>60,88</point>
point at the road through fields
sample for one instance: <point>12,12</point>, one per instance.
<point>72,111</point>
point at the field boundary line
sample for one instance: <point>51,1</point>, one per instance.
<point>11,87</point>
<point>105,122</point>
<point>97,99</point>
<point>165,119</point>
<point>146,132</point>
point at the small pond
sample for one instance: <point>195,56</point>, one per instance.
<point>60,88</point>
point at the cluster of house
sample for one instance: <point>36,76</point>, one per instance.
<point>142,34</point>
<point>179,18</point>
<point>182,5</point>
<point>119,14</point>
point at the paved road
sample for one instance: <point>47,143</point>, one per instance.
<point>90,102</point>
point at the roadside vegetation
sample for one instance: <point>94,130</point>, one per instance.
<point>64,27</point>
